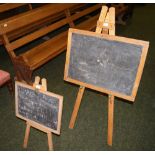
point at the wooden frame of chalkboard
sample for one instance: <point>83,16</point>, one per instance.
<point>143,44</point>
<point>44,93</point>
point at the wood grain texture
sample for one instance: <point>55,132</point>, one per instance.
<point>143,46</point>
<point>110,119</point>
<point>35,108</point>
<point>9,6</point>
<point>76,107</point>
<point>63,15</point>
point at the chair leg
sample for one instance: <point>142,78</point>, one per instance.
<point>10,87</point>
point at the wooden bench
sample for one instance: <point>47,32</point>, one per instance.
<point>73,16</point>
<point>10,9</point>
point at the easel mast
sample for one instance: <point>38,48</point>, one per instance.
<point>30,124</point>
<point>105,25</point>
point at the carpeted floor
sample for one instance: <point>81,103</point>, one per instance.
<point>134,124</point>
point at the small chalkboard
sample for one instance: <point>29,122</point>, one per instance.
<point>105,63</point>
<point>43,108</point>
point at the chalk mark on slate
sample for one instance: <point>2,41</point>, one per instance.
<point>38,107</point>
<point>107,64</point>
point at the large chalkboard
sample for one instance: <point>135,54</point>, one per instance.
<point>44,108</point>
<point>105,63</point>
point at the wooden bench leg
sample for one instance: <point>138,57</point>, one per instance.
<point>76,107</point>
<point>50,142</point>
<point>23,72</point>
<point>27,133</point>
<point>10,87</point>
<point>110,118</point>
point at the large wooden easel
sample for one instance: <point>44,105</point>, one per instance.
<point>30,124</point>
<point>105,25</point>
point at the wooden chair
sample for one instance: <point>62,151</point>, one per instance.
<point>6,80</point>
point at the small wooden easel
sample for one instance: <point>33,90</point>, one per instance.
<point>105,25</point>
<point>29,124</point>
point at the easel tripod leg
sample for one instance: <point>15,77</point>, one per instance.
<point>110,118</point>
<point>27,133</point>
<point>76,107</point>
<point>50,142</point>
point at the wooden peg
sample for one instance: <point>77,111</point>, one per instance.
<point>36,81</point>
<point>44,84</point>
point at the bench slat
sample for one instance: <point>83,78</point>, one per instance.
<point>45,30</point>
<point>45,51</point>
<point>6,7</point>
<point>53,47</point>
<point>30,28</point>
<point>31,16</point>
<point>35,27</point>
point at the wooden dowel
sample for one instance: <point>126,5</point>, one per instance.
<point>27,133</point>
<point>37,80</point>
<point>50,142</point>
<point>76,107</point>
<point>44,84</point>
<point>110,118</point>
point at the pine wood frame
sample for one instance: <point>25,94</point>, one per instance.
<point>144,44</point>
<point>37,125</point>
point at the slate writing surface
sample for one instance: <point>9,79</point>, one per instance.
<point>108,64</point>
<point>38,107</point>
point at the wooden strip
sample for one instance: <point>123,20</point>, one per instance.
<point>45,30</point>
<point>140,70</point>
<point>6,41</point>
<point>105,25</point>
<point>30,28</point>
<point>112,21</point>
<point>44,84</point>
<point>9,6</point>
<point>30,6</point>
<point>102,18</point>
<point>27,133</point>
<point>36,82</point>
<point>31,16</point>
<point>35,35</point>
<point>76,107</point>
<point>68,14</point>
<point>29,54</point>
<point>50,142</point>
<point>110,118</point>
<point>46,53</point>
